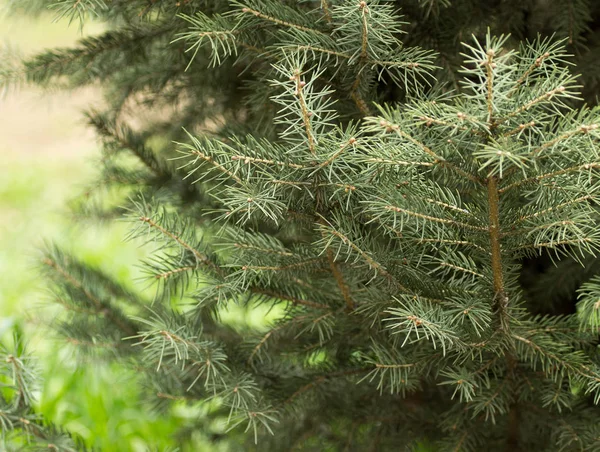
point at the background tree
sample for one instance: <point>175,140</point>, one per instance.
<point>392,244</point>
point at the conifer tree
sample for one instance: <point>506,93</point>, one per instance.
<point>303,157</point>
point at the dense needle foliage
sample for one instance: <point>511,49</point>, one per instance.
<point>397,199</point>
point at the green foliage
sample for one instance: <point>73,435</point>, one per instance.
<point>20,425</point>
<point>318,169</point>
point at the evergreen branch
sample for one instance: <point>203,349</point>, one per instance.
<point>69,307</point>
<point>312,48</point>
<point>520,128</point>
<point>199,150</point>
<point>99,305</point>
<point>374,62</point>
<point>172,340</point>
<point>244,246</point>
<point>461,441</point>
<point>438,160</point>
<point>461,269</point>
<point>449,206</point>
<point>588,306</point>
<point>216,29</point>
<point>306,114</point>
<point>260,344</point>
<point>451,242</point>
<point>544,226</point>
<point>118,134</point>
<point>343,147</point>
<point>339,278</point>
<point>536,64</point>
<point>247,160</point>
<point>558,243</point>
<point>76,62</point>
<point>168,274</point>
<point>575,437</point>
<point>20,425</point>
<point>419,144</point>
<point>434,219</point>
<point>585,166</point>
<point>423,321</point>
<point>429,121</point>
<point>207,158</point>
<point>561,363</point>
<point>397,64</point>
<point>563,137</point>
<point>23,396</point>
<point>282,267</point>
<point>554,208</point>
<point>293,183</point>
<point>198,255</point>
<point>399,162</point>
<point>392,371</point>
<point>372,263</point>
<point>304,389</point>
<point>394,366</point>
<point>277,21</point>
<point>488,403</point>
<point>306,111</point>
<point>320,380</point>
<point>546,96</point>
<point>248,243</point>
<point>311,144</point>
<point>77,8</point>
<point>282,296</point>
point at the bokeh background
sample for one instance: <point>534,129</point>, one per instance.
<point>47,160</point>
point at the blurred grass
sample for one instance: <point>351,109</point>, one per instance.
<point>46,155</point>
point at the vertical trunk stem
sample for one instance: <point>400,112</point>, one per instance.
<point>500,299</point>
<point>501,304</point>
<point>494,217</point>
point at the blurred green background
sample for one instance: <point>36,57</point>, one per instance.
<point>47,155</point>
